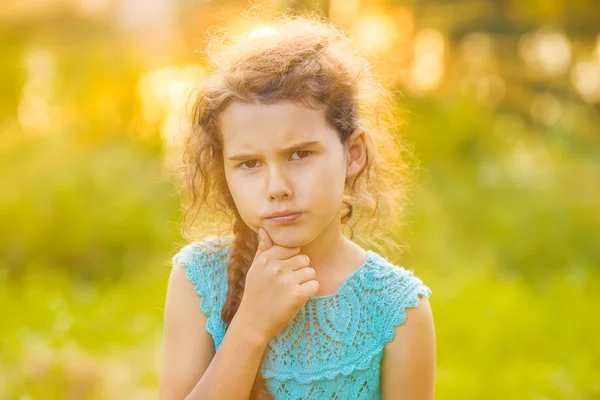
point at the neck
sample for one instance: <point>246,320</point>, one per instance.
<point>331,252</point>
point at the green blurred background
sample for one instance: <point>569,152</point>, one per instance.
<point>502,101</point>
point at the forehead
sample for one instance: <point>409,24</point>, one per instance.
<point>260,127</point>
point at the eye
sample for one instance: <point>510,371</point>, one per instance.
<point>302,153</point>
<point>249,164</point>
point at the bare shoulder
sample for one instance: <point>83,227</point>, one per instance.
<point>181,298</point>
<point>187,347</point>
<point>408,366</point>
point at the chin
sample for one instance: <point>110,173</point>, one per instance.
<point>285,237</point>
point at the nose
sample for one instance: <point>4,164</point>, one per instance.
<point>278,184</point>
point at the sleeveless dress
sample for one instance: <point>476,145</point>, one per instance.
<point>333,347</point>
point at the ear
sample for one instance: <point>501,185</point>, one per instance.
<point>356,152</point>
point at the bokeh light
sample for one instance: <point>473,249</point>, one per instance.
<point>546,51</point>
<point>34,110</point>
<point>428,64</point>
<point>586,79</point>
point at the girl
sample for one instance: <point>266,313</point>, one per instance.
<point>289,141</point>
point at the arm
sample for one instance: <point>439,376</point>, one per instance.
<point>191,369</point>
<point>408,366</point>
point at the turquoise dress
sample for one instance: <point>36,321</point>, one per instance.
<point>333,347</point>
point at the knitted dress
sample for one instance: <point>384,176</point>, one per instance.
<point>333,347</point>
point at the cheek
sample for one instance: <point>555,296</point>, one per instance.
<point>243,197</point>
<point>326,184</point>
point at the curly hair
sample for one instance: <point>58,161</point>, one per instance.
<point>301,59</point>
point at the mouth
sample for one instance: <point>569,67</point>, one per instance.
<point>285,218</point>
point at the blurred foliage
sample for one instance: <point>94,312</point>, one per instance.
<point>97,212</point>
<point>503,228</point>
<point>523,201</point>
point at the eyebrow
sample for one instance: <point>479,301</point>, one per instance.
<point>294,147</point>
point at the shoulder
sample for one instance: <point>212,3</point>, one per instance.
<point>200,270</point>
<point>395,281</point>
<point>407,331</point>
<point>195,271</point>
<point>203,264</point>
<point>192,326</point>
<point>395,290</point>
<point>409,359</point>
<point>204,252</point>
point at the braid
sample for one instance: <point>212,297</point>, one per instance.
<point>242,253</point>
<point>243,249</point>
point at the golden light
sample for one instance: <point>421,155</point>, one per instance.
<point>163,94</point>
<point>546,51</point>
<point>33,111</point>
<point>375,33</point>
<point>428,65</point>
<point>145,15</point>
<point>405,23</point>
<point>91,7</point>
<point>263,31</point>
<point>344,11</point>
<point>585,77</point>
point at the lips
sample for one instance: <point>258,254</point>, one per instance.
<point>284,217</point>
<point>282,214</point>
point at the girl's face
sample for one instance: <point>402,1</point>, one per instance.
<point>284,157</point>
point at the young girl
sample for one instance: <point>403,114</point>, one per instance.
<point>289,141</point>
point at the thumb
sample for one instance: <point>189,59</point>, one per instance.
<point>264,242</point>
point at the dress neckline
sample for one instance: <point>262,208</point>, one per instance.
<point>349,278</point>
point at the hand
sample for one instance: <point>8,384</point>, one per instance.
<point>278,284</point>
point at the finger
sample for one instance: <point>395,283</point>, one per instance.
<point>304,274</point>
<point>297,262</point>
<point>308,288</point>
<point>264,242</point>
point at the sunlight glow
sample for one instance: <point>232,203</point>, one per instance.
<point>263,31</point>
<point>344,11</point>
<point>585,77</point>
<point>375,34</point>
<point>546,51</point>
<point>428,65</point>
<point>91,7</point>
<point>163,94</point>
<point>33,111</point>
